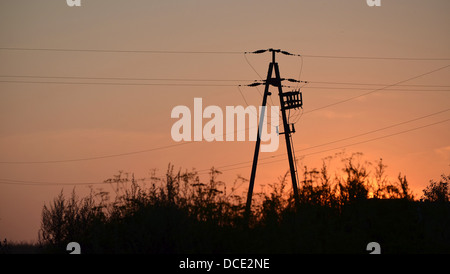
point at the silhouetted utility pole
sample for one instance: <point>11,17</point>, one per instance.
<point>288,100</point>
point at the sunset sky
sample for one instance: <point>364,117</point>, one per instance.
<point>124,65</point>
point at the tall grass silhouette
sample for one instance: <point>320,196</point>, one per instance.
<point>180,213</point>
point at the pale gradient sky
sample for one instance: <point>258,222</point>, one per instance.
<point>40,122</point>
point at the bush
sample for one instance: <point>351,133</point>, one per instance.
<point>437,191</point>
<point>179,213</point>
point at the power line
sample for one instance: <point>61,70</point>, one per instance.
<point>220,52</point>
<point>260,78</point>
<point>349,57</point>
<point>383,128</point>
<point>373,84</point>
<point>40,183</point>
<point>378,89</point>
<point>127,78</point>
<point>136,152</point>
<point>377,58</point>
<point>185,143</point>
<point>327,150</point>
<point>116,84</point>
<point>351,137</point>
<point>381,137</point>
<point>96,157</point>
<point>34,183</point>
<point>158,148</point>
<point>243,97</point>
<point>198,85</point>
<point>204,80</point>
<point>391,89</point>
<point>120,51</point>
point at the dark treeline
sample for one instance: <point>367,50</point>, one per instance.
<point>180,213</point>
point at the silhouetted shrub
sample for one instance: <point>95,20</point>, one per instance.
<point>180,213</point>
<point>437,191</point>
